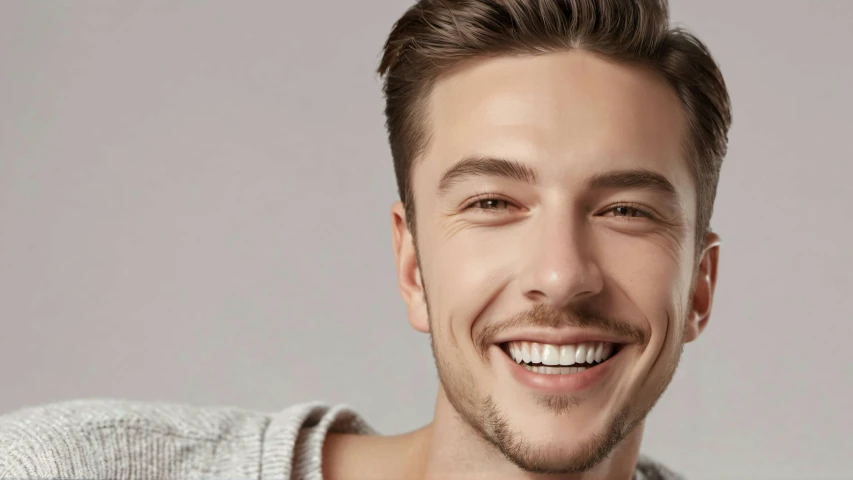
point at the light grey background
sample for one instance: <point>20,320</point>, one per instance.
<point>194,206</point>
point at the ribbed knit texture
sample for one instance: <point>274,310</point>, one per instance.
<point>115,439</point>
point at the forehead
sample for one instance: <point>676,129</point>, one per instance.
<point>566,114</point>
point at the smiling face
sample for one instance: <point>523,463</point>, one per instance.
<point>555,212</point>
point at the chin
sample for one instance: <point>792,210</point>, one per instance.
<point>570,442</point>
<point>553,457</point>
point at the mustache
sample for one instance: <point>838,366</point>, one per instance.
<point>544,316</point>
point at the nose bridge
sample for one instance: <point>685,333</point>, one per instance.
<point>560,265</point>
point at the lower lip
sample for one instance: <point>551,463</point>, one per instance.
<point>558,383</point>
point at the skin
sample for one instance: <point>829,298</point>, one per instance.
<point>496,254</point>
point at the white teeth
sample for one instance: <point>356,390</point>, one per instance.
<point>515,352</point>
<point>554,370</point>
<point>567,355</point>
<point>550,355</point>
<point>543,370</point>
<point>535,354</point>
<point>580,354</point>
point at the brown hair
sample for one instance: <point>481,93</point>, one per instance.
<point>435,35</point>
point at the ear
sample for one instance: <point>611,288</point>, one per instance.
<point>408,273</point>
<point>703,294</point>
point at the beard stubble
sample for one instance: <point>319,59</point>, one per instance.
<point>483,415</point>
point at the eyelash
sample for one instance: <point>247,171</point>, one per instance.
<point>631,206</point>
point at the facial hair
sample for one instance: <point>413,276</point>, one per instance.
<point>486,419</point>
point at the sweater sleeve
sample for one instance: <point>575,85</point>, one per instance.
<point>122,439</point>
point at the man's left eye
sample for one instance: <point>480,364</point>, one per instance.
<point>629,211</point>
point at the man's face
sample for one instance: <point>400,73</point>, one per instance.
<point>555,215</point>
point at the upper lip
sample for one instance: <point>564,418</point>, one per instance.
<point>560,337</point>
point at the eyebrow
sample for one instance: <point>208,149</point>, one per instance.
<point>486,167</point>
<point>638,178</point>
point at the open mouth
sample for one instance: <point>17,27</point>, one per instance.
<point>559,359</point>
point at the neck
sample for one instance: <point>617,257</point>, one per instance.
<point>448,448</point>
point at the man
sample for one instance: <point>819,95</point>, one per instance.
<point>557,163</point>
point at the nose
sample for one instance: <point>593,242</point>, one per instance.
<point>560,265</point>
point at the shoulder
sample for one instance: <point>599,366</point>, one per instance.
<point>113,438</point>
<point>649,469</point>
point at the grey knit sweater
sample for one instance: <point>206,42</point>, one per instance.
<point>112,439</point>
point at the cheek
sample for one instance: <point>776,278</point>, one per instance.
<point>472,262</point>
<point>648,273</point>
<point>651,279</point>
<point>467,272</point>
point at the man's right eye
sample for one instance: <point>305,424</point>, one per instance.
<point>489,203</point>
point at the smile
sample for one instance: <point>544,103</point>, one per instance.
<point>550,359</point>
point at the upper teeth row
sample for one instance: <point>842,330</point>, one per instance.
<point>546,354</point>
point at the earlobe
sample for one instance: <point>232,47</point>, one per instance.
<point>703,294</point>
<point>408,271</point>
